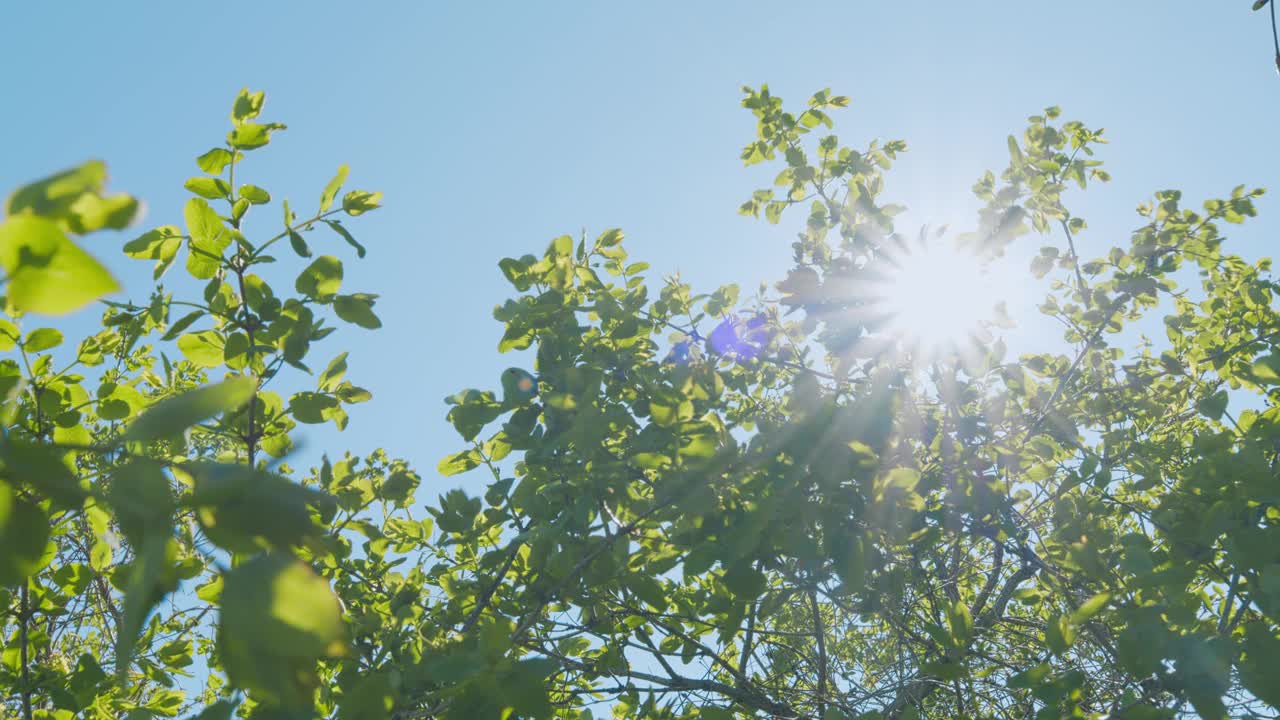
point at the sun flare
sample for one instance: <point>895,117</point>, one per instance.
<point>940,298</point>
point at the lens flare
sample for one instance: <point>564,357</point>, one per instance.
<point>940,298</point>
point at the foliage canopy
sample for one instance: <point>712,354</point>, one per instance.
<point>696,505</point>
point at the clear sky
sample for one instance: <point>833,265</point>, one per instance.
<point>494,127</point>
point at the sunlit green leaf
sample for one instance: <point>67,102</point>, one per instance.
<point>175,414</point>
<point>321,279</point>
<point>278,618</point>
<point>209,239</point>
<point>358,202</point>
<point>74,201</point>
<point>331,189</point>
<point>214,161</point>
<point>42,339</point>
<point>47,273</point>
<point>357,309</point>
<point>255,194</point>
<point>210,188</point>
<point>204,348</point>
<point>24,531</point>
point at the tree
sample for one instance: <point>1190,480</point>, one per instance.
<point>795,518</point>
<point>699,506</point>
<point>128,475</point>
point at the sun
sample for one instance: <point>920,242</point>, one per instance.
<point>939,298</point>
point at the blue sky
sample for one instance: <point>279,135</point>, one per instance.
<point>493,127</point>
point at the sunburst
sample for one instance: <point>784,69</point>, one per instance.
<point>940,298</point>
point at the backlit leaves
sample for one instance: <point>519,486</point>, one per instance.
<point>47,273</point>
<point>209,238</point>
<point>204,348</point>
<point>358,202</point>
<point>321,279</point>
<point>331,189</point>
<point>74,200</point>
<point>1084,531</point>
<point>214,161</point>
<point>178,413</point>
<point>278,618</point>
<point>24,530</point>
<point>357,309</point>
<point>125,483</point>
<point>250,136</point>
<point>161,245</point>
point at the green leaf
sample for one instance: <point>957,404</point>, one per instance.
<point>525,687</point>
<point>351,395</point>
<point>1214,405</point>
<point>255,194</point>
<point>278,619</point>
<point>1089,608</point>
<point>161,245</point>
<point>42,339</point>
<point>1031,677</point>
<point>853,570</point>
<point>211,590</point>
<point>610,238</point>
<point>346,235</point>
<point>298,244</point>
<point>144,506</point>
<point>358,202</point>
<point>215,161</point>
<point>1015,152</point>
<point>960,621</point>
<point>73,199</point>
<point>1262,656</point>
<point>332,188</point>
<point>744,581</point>
<point>112,409</point>
<point>902,478</point>
<point>24,533</point>
<point>649,590</point>
<point>146,586</point>
<point>205,348</point>
<point>516,272</point>
<point>1259,4</point>
<point>1059,634</point>
<point>250,136</point>
<point>42,467</point>
<point>372,696</point>
<point>247,105</point>
<point>311,408</point>
<point>209,239</point>
<point>357,309</point>
<point>333,373</point>
<point>459,463</point>
<point>47,272</point>
<point>1266,369</point>
<point>473,411</point>
<point>181,324</point>
<point>9,335</point>
<point>243,509</point>
<point>54,195</point>
<point>207,187</point>
<point>176,414</point>
<point>321,279</point>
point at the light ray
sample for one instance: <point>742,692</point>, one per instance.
<point>939,299</point>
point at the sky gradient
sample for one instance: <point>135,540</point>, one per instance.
<point>493,127</point>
